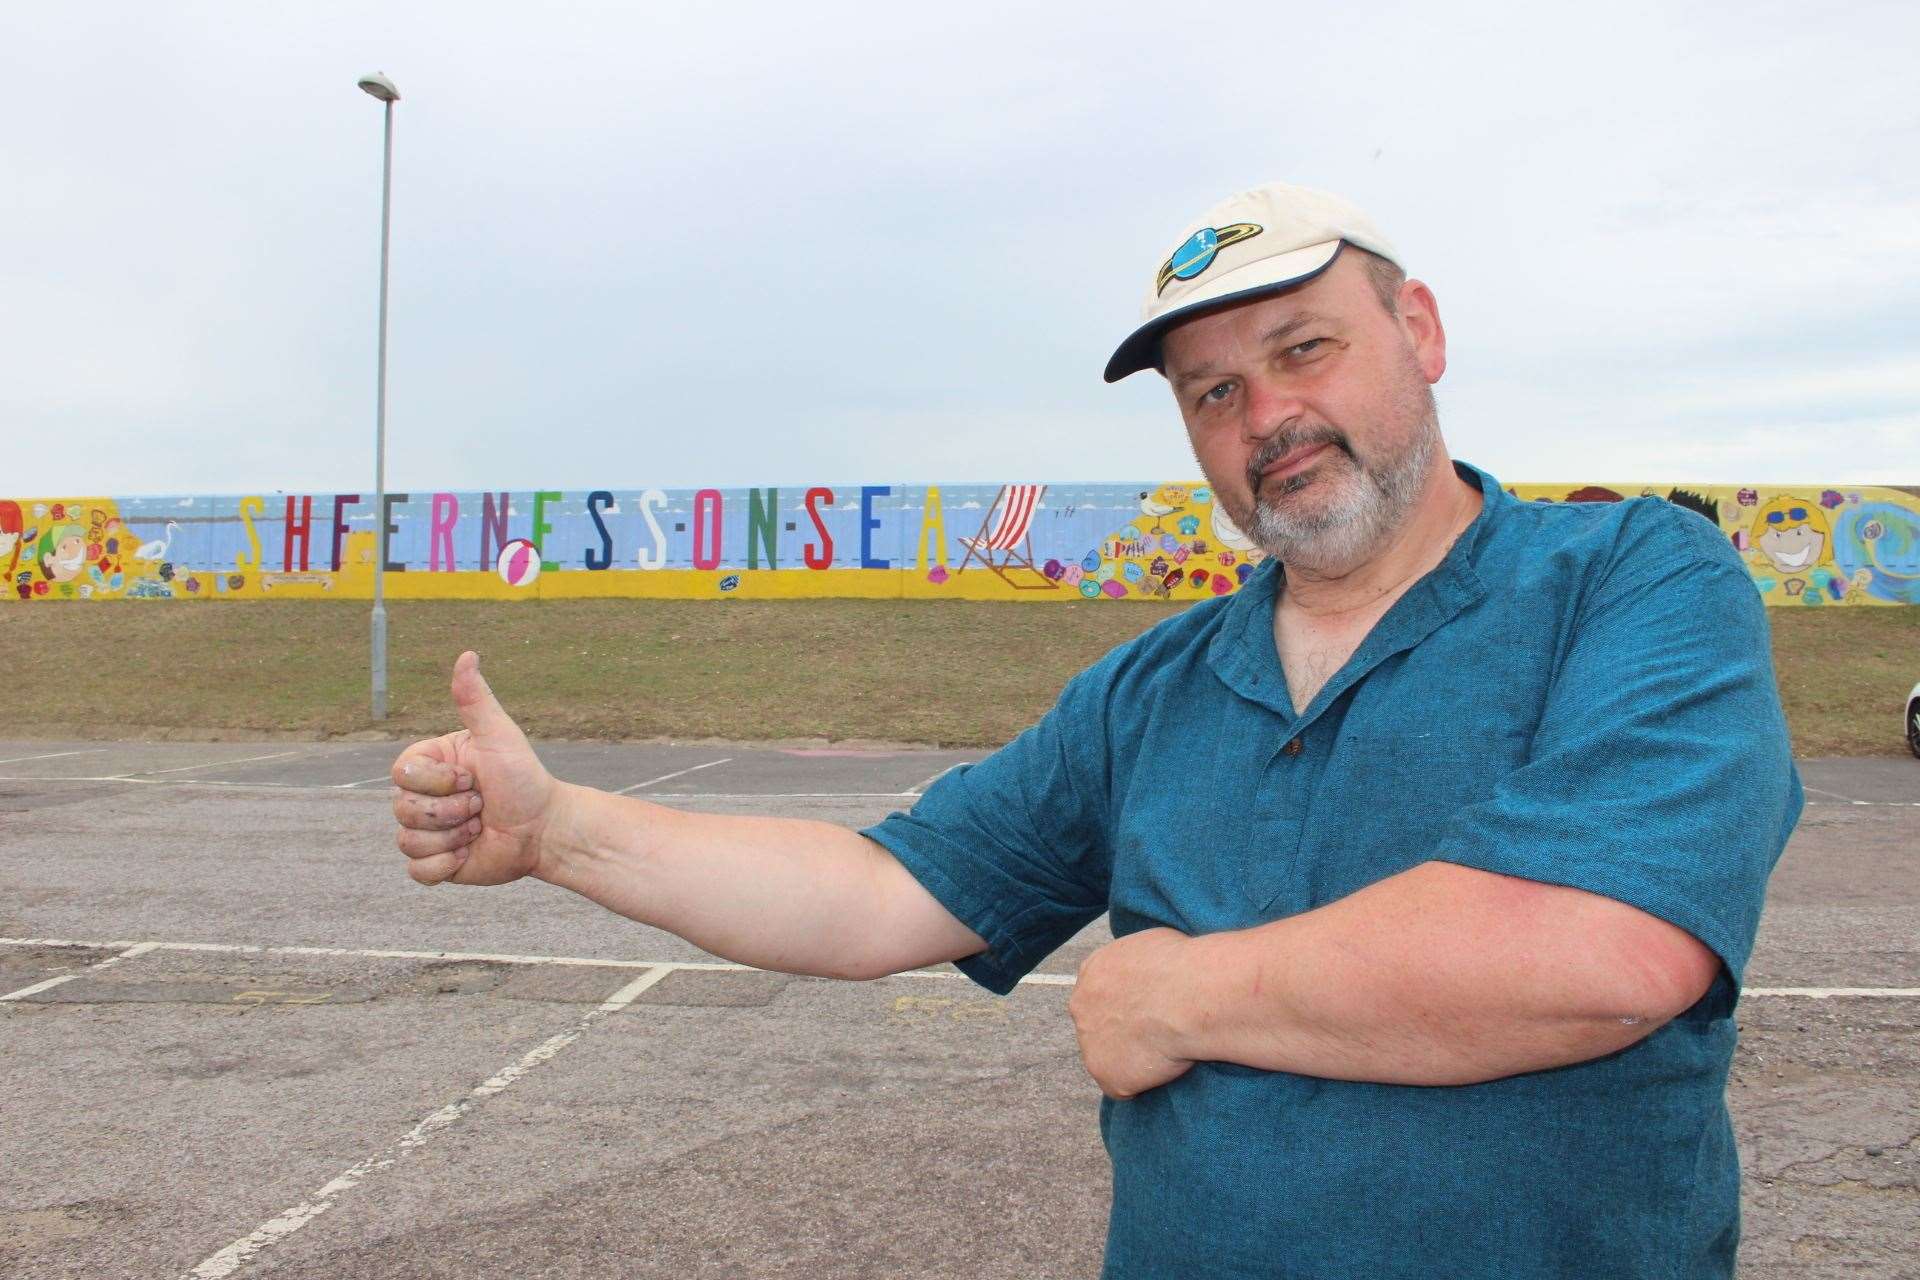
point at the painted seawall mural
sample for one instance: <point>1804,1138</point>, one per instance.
<point>1806,545</point>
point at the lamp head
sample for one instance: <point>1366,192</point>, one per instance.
<point>377,84</point>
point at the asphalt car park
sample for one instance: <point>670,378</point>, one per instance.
<point>240,1041</point>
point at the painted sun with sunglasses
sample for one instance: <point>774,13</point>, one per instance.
<point>1793,534</point>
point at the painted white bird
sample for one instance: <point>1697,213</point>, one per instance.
<point>1226,533</point>
<point>1162,502</point>
<point>157,549</point>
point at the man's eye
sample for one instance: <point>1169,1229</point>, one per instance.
<point>1219,393</point>
<point>1305,348</point>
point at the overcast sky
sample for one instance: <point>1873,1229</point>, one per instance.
<point>681,244</point>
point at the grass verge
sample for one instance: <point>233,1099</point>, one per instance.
<point>947,673</point>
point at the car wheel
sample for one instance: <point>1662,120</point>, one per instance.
<point>1913,726</point>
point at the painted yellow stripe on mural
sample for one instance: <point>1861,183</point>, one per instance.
<point>1835,546</point>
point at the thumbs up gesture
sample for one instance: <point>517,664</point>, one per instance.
<point>472,804</point>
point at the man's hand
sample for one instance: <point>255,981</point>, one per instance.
<point>1124,1008</point>
<point>472,804</point>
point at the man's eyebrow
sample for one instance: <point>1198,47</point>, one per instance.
<point>1267,339</point>
<point>1280,331</point>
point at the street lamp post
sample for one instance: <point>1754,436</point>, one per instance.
<point>377,84</point>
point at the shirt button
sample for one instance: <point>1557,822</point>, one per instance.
<point>1292,748</point>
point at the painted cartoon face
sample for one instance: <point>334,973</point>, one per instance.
<point>1793,534</point>
<point>69,554</point>
<point>8,541</point>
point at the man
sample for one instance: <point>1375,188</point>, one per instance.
<point>1433,856</point>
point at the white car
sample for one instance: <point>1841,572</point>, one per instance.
<point>1913,720</point>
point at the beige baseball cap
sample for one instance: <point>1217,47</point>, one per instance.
<point>1257,242</point>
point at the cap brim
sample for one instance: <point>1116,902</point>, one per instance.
<point>1141,349</point>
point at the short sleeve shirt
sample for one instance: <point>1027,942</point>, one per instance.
<point>1580,694</point>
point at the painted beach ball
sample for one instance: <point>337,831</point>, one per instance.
<point>519,563</point>
<point>1242,570</point>
<point>1114,589</point>
<point>1092,562</point>
<point>1199,578</point>
<point>1090,587</point>
<point>1132,571</point>
<point>1221,585</point>
<point>1104,573</point>
<point>1074,574</point>
<point>1053,569</point>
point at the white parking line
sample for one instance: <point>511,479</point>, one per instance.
<point>1821,791</point>
<point>1828,993</point>
<point>109,777</point>
<point>137,949</point>
<point>385,777</point>
<point>916,790</point>
<point>779,795</point>
<point>51,755</point>
<point>675,774</point>
<point>188,768</point>
<point>720,966</point>
<point>274,1230</point>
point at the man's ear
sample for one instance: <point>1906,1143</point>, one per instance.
<point>1420,321</point>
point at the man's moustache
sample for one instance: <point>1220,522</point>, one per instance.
<point>1280,446</point>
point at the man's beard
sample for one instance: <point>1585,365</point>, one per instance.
<point>1358,508</point>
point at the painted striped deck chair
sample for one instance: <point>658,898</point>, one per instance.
<point>1004,533</point>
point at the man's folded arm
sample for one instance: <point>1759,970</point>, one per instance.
<point>1439,975</point>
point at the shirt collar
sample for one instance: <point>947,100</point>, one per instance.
<point>1242,652</point>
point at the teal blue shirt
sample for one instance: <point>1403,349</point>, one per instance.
<point>1580,694</point>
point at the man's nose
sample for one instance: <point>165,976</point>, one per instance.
<point>1271,407</point>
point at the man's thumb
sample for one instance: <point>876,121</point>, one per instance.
<point>480,711</point>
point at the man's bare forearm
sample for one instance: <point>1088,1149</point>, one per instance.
<point>788,894</point>
<point>1440,975</point>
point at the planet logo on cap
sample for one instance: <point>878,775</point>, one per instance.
<point>1197,254</point>
<point>519,563</point>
